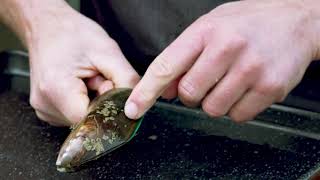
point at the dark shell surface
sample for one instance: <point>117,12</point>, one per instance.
<point>104,129</point>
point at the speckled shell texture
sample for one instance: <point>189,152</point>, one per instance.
<point>104,129</point>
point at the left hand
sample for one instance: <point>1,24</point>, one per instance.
<point>236,60</point>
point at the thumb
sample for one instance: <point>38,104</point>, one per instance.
<point>115,67</point>
<point>71,99</point>
<point>99,84</point>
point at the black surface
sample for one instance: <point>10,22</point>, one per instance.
<point>28,150</point>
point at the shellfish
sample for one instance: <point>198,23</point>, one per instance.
<point>104,129</point>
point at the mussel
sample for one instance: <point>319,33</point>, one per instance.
<point>104,129</point>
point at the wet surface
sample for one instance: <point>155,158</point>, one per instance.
<point>28,150</point>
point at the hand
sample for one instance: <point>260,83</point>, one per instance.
<point>236,60</point>
<point>64,51</point>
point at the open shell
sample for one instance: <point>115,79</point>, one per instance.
<point>104,129</point>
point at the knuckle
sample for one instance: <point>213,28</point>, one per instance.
<point>187,91</point>
<point>251,69</point>
<point>205,28</point>
<point>237,41</point>
<point>211,110</point>
<point>274,87</point>
<point>205,25</point>
<point>47,84</point>
<point>263,90</point>
<point>221,10</point>
<point>223,7</point>
<point>105,47</point>
<point>237,115</point>
<point>112,45</point>
<point>224,50</point>
<point>232,45</point>
<point>106,43</point>
<point>162,69</point>
<point>35,101</point>
<point>45,89</point>
<point>197,33</point>
<point>72,117</point>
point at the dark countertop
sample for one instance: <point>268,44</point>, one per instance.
<point>29,147</point>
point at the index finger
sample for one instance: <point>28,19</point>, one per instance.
<point>175,60</point>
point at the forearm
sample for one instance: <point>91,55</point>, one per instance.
<point>27,18</point>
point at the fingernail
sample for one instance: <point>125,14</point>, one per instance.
<point>131,110</point>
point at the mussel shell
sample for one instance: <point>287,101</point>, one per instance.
<point>104,129</point>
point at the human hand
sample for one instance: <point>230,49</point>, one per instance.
<point>236,60</point>
<point>64,50</point>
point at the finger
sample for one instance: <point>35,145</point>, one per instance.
<point>115,67</point>
<point>209,68</point>
<point>105,86</point>
<point>99,84</point>
<point>174,61</point>
<point>250,105</point>
<point>71,98</point>
<point>94,82</point>
<point>230,89</point>
<point>51,119</point>
<point>172,91</point>
<point>227,92</point>
<point>41,103</point>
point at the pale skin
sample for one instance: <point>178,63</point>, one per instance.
<point>69,54</point>
<point>236,60</point>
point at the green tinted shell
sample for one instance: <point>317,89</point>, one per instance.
<point>104,129</point>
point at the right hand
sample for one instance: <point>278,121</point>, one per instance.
<point>64,51</point>
<point>236,60</point>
